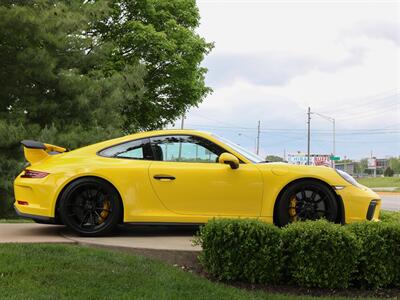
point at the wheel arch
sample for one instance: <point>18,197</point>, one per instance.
<point>341,210</point>
<point>56,208</point>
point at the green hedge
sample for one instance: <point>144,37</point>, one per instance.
<point>241,250</point>
<point>308,254</point>
<point>390,216</point>
<point>379,256</point>
<point>320,254</point>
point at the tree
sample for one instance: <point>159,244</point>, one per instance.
<point>52,70</point>
<point>394,163</point>
<point>75,72</point>
<point>388,172</point>
<point>160,34</point>
<point>362,166</point>
<point>274,158</point>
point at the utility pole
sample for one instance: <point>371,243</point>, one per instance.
<point>330,119</point>
<point>308,134</point>
<point>258,137</point>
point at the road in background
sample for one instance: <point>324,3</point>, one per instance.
<point>390,201</point>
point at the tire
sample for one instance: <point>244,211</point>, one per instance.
<point>90,207</point>
<point>306,200</point>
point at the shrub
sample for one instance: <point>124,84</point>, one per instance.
<point>308,254</point>
<point>241,250</point>
<point>319,254</point>
<point>379,258</point>
<point>390,216</point>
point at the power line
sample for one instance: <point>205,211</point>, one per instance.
<point>365,115</point>
<point>296,130</point>
<point>373,100</point>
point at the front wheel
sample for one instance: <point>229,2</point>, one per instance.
<point>306,200</point>
<point>90,207</point>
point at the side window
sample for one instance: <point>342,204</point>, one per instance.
<point>185,149</point>
<point>139,149</point>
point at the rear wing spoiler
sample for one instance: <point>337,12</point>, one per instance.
<point>37,151</point>
<point>39,145</point>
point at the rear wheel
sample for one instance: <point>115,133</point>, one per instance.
<point>90,206</point>
<point>306,200</point>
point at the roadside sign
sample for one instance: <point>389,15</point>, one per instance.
<point>372,163</point>
<point>335,158</point>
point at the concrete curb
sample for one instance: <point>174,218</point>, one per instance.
<point>179,257</point>
<point>138,242</point>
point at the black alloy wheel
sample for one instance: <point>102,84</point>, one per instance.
<point>306,200</point>
<point>90,207</point>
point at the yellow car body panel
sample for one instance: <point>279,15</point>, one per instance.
<point>201,190</point>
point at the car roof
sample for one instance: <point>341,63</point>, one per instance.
<point>94,148</point>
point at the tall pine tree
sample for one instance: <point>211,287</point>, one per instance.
<point>74,72</point>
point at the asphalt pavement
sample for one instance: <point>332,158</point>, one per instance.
<point>390,201</point>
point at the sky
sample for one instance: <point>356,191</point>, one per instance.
<point>274,59</point>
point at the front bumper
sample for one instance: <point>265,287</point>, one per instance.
<point>372,209</point>
<point>360,204</point>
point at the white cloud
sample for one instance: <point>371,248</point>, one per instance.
<point>378,30</point>
<point>272,68</point>
<point>273,59</point>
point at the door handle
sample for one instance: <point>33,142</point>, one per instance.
<point>164,177</point>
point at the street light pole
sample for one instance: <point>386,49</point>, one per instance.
<point>308,135</point>
<point>183,121</point>
<point>334,136</point>
<point>258,137</point>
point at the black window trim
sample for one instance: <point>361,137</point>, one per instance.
<point>147,141</point>
<point>152,149</point>
<point>185,135</point>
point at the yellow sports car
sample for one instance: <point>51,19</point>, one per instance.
<point>179,177</point>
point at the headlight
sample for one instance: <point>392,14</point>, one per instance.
<point>349,178</point>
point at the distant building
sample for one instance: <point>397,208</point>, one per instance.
<point>378,163</point>
<point>348,167</point>
<point>382,163</point>
<point>315,159</point>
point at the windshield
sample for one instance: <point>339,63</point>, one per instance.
<point>246,153</point>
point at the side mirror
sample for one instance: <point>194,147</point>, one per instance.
<point>229,159</point>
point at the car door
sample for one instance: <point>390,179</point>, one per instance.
<point>188,179</point>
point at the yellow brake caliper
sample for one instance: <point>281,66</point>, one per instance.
<point>106,211</point>
<point>292,210</point>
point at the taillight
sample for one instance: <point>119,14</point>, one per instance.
<point>33,174</point>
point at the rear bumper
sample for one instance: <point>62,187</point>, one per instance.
<point>35,196</point>
<point>34,217</point>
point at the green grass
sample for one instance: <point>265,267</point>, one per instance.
<point>380,182</point>
<point>16,221</point>
<point>73,272</point>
